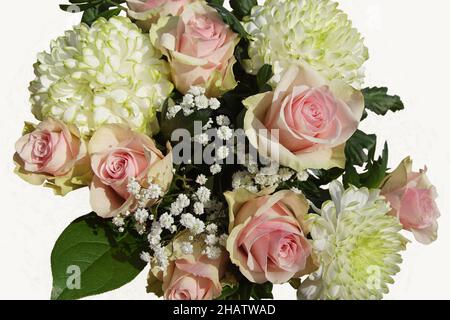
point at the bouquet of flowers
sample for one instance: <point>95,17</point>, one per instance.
<point>221,149</point>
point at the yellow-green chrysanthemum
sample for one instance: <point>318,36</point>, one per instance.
<point>357,245</point>
<point>107,73</point>
<point>287,32</point>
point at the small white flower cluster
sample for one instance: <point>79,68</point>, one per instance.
<point>255,179</point>
<point>194,100</point>
<point>179,213</point>
<point>214,242</point>
<point>143,197</point>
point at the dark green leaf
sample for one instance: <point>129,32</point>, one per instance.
<point>358,148</point>
<point>263,76</point>
<point>324,177</point>
<point>242,8</point>
<point>108,14</point>
<point>231,20</point>
<point>90,15</point>
<point>262,291</point>
<point>377,100</point>
<point>376,170</point>
<point>351,176</point>
<point>216,2</point>
<point>105,262</point>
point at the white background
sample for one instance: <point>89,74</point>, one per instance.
<point>410,53</point>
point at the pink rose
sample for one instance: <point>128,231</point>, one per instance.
<point>193,279</point>
<point>52,152</point>
<point>200,48</point>
<point>147,12</point>
<point>189,276</point>
<point>312,117</point>
<point>268,236</point>
<point>412,198</point>
<point>118,154</point>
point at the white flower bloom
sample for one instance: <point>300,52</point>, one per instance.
<point>202,138</point>
<point>145,256</point>
<point>224,133</point>
<point>215,169</point>
<point>222,153</point>
<point>141,215</point>
<point>223,120</point>
<point>187,220</point>
<point>173,111</point>
<point>203,194</point>
<point>197,91</point>
<point>199,208</point>
<point>357,245</point>
<point>201,102</point>
<point>188,101</point>
<point>302,176</point>
<point>287,32</point>
<point>198,227</point>
<point>133,187</point>
<point>187,247</point>
<point>118,221</point>
<point>214,103</point>
<point>211,239</point>
<point>154,191</point>
<point>213,253</point>
<point>212,228</point>
<point>166,221</point>
<point>183,200</point>
<point>201,179</point>
<point>107,73</point>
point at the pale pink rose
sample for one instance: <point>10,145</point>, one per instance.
<point>199,47</point>
<point>51,152</point>
<point>118,154</point>
<point>188,276</point>
<point>412,198</point>
<point>268,235</point>
<point>311,117</point>
<point>52,148</point>
<point>189,279</point>
<point>147,12</point>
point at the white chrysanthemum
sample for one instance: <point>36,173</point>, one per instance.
<point>287,32</point>
<point>107,73</point>
<point>357,245</point>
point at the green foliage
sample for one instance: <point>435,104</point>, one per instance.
<point>94,9</point>
<point>378,101</point>
<point>263,76</point>
<point>247,290</point>
<point>216,2</point>
<point>105,260</point>
<point>358,147</point>
<point>360,151</point>
<point>230,19</point>
<point>242,8</point>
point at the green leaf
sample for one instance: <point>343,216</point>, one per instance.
<point>231,20</point>
<point>263,76</point>
<point>90,15</point>
<point>262,291</point>
<point>351,176</point>
<point>358,147</point>
<point>377,100</point>
<point>88,253</point>
<point>376,170</point>
<point>242,8</point>
<point>216,2</point>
